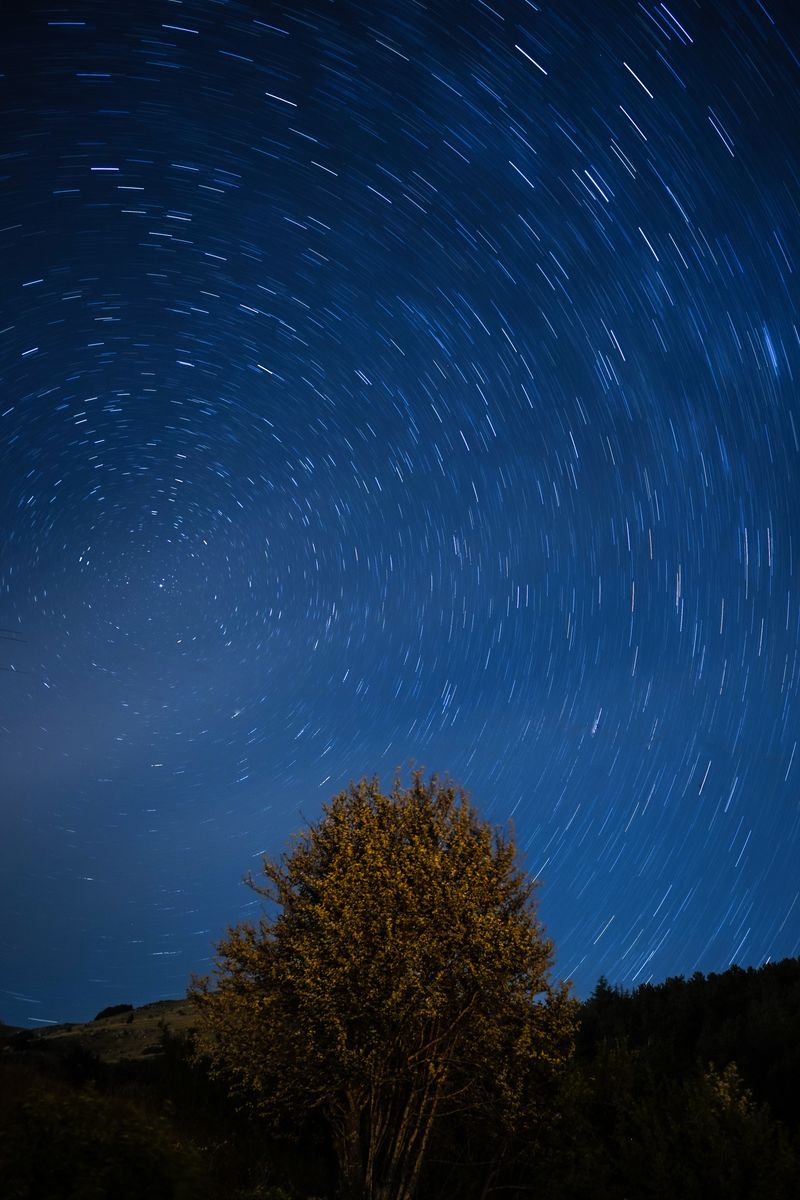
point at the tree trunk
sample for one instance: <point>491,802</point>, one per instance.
<point>380,1140</point>
<point>346,1130</point>
<point>405,1157</point>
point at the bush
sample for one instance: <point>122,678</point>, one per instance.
<point>58,1143</point>
<point>113,1010</point>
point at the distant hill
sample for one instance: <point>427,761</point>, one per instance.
<point>120,1036</point>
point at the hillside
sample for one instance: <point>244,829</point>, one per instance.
<point>118,1037</point>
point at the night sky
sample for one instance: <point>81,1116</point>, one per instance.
<point>397,381</point>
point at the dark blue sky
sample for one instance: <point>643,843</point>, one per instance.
<point>397,381</point>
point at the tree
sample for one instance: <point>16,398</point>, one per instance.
<point>400,974</point>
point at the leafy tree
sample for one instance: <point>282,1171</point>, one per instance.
<point>400,974</point>
<point>704,1138</point>
<point>630,1131</point>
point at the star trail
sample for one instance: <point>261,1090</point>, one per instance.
<point>385,382</point>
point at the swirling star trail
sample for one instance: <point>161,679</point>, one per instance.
<point>385,382</point>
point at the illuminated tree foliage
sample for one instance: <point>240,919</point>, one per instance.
<point>399,975</point>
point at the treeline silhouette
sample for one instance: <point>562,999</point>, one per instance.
<point>688,1088</point>
<point>748,1017</point>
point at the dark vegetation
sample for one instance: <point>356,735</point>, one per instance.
<point>390,1031</point>
<point>113,1010</point>
<point>683,1089</point>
